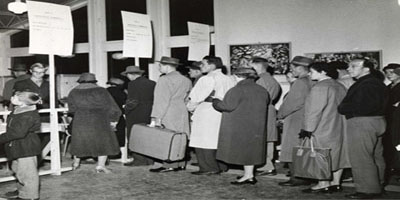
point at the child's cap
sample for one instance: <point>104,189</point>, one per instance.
<point>28,98</point>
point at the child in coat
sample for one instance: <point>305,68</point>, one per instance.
<point>22,144</point>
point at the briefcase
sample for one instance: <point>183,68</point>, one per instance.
<point>311,162</point>
<point>157,142</point>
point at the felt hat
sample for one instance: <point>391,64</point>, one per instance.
<point>115,81</point>
<point>301,61</point>
<point>132,69</point>
<point>169,61</point>
<point>18,67</point>
<point>195,65</point>
<point>87,78</point>
<point>391,66</point>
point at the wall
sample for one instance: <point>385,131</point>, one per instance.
<point>310,25</point>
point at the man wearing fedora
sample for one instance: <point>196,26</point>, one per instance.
<point>169,107</point>
<point>138,106</point>
<point>292,111</point>
<point>20,73</point>
<point>207,120</point>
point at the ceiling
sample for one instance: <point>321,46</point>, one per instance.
<point>11,21</point>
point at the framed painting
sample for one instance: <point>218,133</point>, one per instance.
<point>347,56</point>
<point>277,54</point>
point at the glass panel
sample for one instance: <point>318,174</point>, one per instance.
<point>72,65</point>
<point>80,21</point>
<point>116,65</point>
<point>20,39</point>
<point>113,15</point>
<point>182,11</point>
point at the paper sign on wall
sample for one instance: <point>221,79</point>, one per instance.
<point>138,38</point>
<point>50,28</point>
<point>199,41</point>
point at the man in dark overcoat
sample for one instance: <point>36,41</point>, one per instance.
<point>138,106</point>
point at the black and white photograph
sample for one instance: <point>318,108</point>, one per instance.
<point>199,99</point>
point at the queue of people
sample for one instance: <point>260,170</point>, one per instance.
<point>344,107</point>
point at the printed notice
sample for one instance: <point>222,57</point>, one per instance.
<point>138,38</point>
<point>199,41</point>
<point>50,28</point>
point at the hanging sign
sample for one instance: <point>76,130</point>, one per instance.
<point>138,38</point>
<point>199,41</point>
<point>50,28</point>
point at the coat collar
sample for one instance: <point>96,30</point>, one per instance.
<point>18,110</point>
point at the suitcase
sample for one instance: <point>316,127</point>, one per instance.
<point>159,143</point>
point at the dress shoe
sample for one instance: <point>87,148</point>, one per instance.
<point>335,188</point>
<point>179,168</point>
<point>320,190</point>
<point>360,195</point>
<point>205,173</point>
<point>268,173</point>
<point>11,194</point>
<point>251,181</point>
<point>292,183</point>
<point>133,164</point>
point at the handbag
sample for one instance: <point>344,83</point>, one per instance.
<point>311,162</point>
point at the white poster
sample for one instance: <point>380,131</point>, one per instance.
<point>138,38</point>
<point>50,28</point>
<point>199,41</point>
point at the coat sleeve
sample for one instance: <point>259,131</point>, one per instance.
<point>17,129</point>
<point>162,98</point>
<point>231,101</point>
<point>114,110</point>
<point>70,101</point>
<point>202,89</point>
<point>295,99</point>
<point>315,104</point>
<point>273,88</point>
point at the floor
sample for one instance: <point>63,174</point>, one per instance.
<point>139,183</point>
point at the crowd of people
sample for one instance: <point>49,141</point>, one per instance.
<point>230,119</point>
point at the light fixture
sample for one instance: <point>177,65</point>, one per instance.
<point>398,1</point>
<point>118,56</point>
<point>17,7</point>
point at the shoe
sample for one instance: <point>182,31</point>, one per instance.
<point>335,188</point>
<point>206,173</point>
<point>133,164</point>
<point>251,181</point>
<point>157,169</point>
<point>11,194</point>
<point>292,183</point>
<point>101,169</point>
<point>360,195</point>
<point>320,190</point>
<point>268,173</point>
<point>24,199</point>
<point>179,169</point>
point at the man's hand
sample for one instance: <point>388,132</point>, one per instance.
<point>305,134</point>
